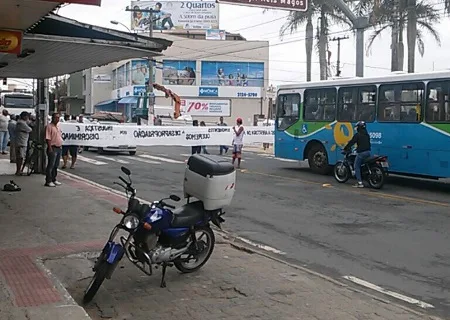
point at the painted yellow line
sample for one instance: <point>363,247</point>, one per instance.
<point>376,194</point>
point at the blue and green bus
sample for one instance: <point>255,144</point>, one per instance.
<point>407,116</point>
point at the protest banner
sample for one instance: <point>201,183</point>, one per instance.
<point>120,135</point>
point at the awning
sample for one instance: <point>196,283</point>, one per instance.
<point>129,100</point>
<point>105,103</point>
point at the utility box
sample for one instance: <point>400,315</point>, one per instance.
<point>210,179</point>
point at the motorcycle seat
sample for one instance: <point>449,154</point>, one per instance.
<point>370,159</point>
<point>188,215</point>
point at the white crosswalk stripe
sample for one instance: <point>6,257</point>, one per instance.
<point>143,160</point>
<point>163,159</point>
<point>113,159</point>
<point>91,161</point>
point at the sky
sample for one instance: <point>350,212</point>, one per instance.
<point>287,55</point>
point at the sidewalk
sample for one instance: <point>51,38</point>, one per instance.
<point>42,230</point>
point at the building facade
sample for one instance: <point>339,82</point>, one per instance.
<point>214,78</point>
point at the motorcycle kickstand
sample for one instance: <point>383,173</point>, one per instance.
<point>163,279</point>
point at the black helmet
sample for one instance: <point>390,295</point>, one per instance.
<point>360,125</point>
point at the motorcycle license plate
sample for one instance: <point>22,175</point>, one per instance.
<point>385,164</point>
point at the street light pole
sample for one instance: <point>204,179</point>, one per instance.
<point>149,84</point>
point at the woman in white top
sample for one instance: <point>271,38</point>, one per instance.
<point>238,141</point>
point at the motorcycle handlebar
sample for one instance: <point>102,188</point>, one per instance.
<point>124,181</point>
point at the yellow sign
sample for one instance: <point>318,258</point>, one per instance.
<point>10,41</point>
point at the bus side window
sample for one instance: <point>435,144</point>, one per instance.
<point>320,104</point>
<point>438,101</point>
<point>357,103</point>
<point>288,106</point>
<point>401,102</point>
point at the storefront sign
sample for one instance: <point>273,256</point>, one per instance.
<point>206,108</point>
<point>208,92</point>
<point>291,5</point>
<point>102,78</point>
<point>182,15</point>
<point>10,41</point>
<point>139,91</point>
<point>88,2</point>
<point>117,135</point>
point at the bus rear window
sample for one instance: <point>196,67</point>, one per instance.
<point>288,106</point>
<point>438,102</point>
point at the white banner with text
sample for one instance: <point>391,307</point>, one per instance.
<point>98,135</point>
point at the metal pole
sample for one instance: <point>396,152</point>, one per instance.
<point>150,93</point>
<point>359,53</point>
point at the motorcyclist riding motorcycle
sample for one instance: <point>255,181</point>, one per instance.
<point>362,140</point>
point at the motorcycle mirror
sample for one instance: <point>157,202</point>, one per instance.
<point>174,198</point>
<point>125,170</point>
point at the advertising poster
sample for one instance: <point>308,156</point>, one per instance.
<point>140,72</point>
<point>206,108</point>
<point>239,74</point>
<point>169,15</point>
<point>10,41</point>
<point>179,72</point>
<point>215,34</point>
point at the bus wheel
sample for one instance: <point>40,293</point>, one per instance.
<point>318,159</point>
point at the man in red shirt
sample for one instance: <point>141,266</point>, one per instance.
<point>53,136</point>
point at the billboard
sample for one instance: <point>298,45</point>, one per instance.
<point>206,108</point>
<point>140,72</point>
<point>215,34</point>
<point>169,15</point>
<point>291,5</point>
<point>239,74</point>
<point>179,72</point>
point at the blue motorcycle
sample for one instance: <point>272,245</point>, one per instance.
<point>156,236</point>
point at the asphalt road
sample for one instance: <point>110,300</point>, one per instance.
<point>397,238</point>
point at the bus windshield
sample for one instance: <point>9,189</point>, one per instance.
<point>18,102</point>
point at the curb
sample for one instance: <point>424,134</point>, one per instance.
<point>234,242</point>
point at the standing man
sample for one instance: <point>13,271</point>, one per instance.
<point>53,136</point>
<point>22,135</point>
<point>4,119</point>
<point>221,148</point>
<point>238,141</point>
<point>196,149</point>
<point>72,149</point>
<point>12,138</point>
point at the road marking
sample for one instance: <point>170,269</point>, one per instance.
<point>396,295</point>
<point>160,158</point>
<point>376,194</point>
<point>142,160</point>
<point>113,159</point>
<point>91,161</point>
<point>261,246</point>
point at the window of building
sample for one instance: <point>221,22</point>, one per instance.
<point>288,110</point>
<point>357,104</point>
<point>438,101</point>
<point>128,74</point>
<point>114,79</point>
<point>320,104</point>
<point>84,83</point>
<point>401,102</point>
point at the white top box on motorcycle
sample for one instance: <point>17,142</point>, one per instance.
<point>210,179</point>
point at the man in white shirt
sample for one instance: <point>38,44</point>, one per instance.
<point>4,120</point>
<point>238,141</point>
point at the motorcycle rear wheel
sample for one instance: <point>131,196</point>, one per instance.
<point>96,282</point>
<point>341,172</point>
<point>377,178</point>
<point>206,249</point>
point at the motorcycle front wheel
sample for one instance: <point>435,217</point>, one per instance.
<point>199,254</point>
<point>96,282</point>
<point>377,178</point>
<point>341,172</point>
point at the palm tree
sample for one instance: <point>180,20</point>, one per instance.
<point>417,17</point>
<point>325,13</point>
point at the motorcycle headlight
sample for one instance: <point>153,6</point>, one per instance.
<point>131,222</point>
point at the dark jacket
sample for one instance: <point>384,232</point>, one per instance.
<point>362,139</point>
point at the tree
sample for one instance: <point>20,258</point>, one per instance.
<point>400,16</point>
<point>324,12</point>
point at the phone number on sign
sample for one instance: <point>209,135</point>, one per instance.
<point>247,94</point>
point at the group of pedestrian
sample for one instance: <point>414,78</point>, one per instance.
<point>16,130</point>
<point>237,143</point>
